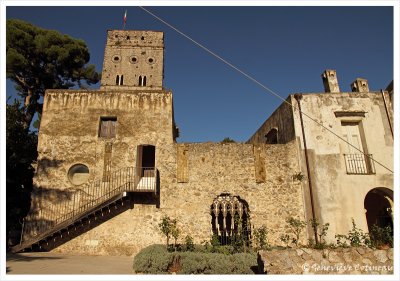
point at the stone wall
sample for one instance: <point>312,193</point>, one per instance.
<point>282,120</point>
<point>69,135</point>
<point>328,261</point>
<point>212,169</point>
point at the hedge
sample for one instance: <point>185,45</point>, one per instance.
<point>155,259</point>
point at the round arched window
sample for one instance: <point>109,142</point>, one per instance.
<point>78,174</point>
<point>134,59</point>
<point>150,60</point>
<point>116,58</point>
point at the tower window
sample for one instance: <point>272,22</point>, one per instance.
<point>107,127</point>
<point>116,58</point>
<point>142,81</point>
<point>119,80</point>
<point>134,59</point>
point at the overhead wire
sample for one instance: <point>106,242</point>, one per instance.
<point>261,85</point>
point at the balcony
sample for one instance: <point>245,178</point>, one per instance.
<point>145,179</point>
<point>359,164</point>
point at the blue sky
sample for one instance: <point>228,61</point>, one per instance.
<point>285,48</point>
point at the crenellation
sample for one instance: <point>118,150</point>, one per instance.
<point>121,100</point>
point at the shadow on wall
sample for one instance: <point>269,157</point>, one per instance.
<point>26,206</point>
<point>85,224</point>
<point>45,163</point>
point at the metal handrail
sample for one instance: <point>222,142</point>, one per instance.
<point>89,197</point>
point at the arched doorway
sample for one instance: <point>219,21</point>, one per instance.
<point>230,219</point>
<point>378,204</point>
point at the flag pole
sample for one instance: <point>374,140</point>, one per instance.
<point>125,18</point>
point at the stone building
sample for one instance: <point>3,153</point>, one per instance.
<point>346,152</point>
<point>109,167</point>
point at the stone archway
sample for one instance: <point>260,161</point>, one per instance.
<point>378,204</point>
<point>230,219</point>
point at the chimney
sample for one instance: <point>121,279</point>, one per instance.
<point>360,85</point>
<point>330,81</point>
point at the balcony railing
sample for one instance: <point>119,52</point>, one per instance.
<point>359,164</point>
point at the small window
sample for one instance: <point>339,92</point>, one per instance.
<point>272,136</point>
<point>107,127</point>
<point>78,174</point>
<point>142,81</point>
<point>134,59</point>
<point>150,60</point>
<point>119,80</point>
<point>116,59</point>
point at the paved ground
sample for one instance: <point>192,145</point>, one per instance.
<point>54,263</point>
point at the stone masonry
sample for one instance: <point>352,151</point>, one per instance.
<point>355,260</point>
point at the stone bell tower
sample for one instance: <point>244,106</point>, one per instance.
<point>133,60</point>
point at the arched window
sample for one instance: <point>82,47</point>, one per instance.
<point>117,80</point>
<point>272,136</point>
<point>144,81</point>
<point>140,80</point>
<point>78,174</point>
<point>230,219</point>
<point>122,80</point>
<point>378,204</point>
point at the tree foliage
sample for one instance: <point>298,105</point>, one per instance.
<point>40,59</point>
<point>228,140</point>
<point>20,154</point>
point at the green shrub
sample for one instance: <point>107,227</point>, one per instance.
<point>355,238</point>
<point>154,259</point>
<point>214,263</point>
<point>243,262</point>
<point>189,243</point>
<point>296,226</point>
<point>285,238</point>
<point>166,226</point>
<point>193,263</point>
<point>260,238</point>
<point>218,264</point>
<point>381,236</point>
<point>322,231</point>
<point>225,249</point>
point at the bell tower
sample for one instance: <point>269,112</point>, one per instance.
<point>133,60</point>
